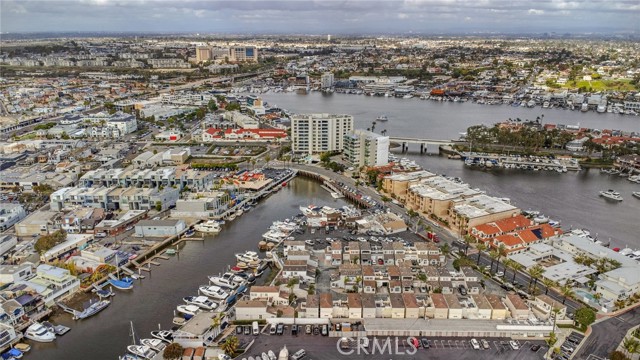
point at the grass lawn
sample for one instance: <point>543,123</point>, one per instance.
<point>28,136</point>
<point>600,85</point>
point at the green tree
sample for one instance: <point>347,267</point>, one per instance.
<point>46,242</point>
<point>535,273</point>
<point>232,107</point>
<point>631,345</point>
<point>566,291</point>
<point>481,247</point>
<point>618,355</point>
<point>230,345</point>
<point>585,316</point>
<point>158,205</point>
<point>173,351</point>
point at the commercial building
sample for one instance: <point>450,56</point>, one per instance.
<point>365,148</point>
<point>203,53</point>
<point>159,228</point>
<point>318,133</point>
<point>243,53</point>
<point>38,223</point>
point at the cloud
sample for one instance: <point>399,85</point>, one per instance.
<point>321,16</point>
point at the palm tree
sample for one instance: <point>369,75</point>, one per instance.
<point>547,284</point>
<point>494,255</point>
<point>230,345</point>
<point>481,247</point>
<point>534,273</point>
<point>507,264</point>
<point>502,252</point>
<point>620,304</point>
<point>566,291</point>
<point>631,345</point>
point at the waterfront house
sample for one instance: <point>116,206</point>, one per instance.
<point>53,283</point>
<point>252,310</point>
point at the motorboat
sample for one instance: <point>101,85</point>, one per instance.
<point>93,309</point>
<point>247,256</point>
<point>214,292</point>
<point>189,233</point>
<point>190,310</point>
<point>24,347</point>
<point>12,354</point>
<point>227,279</point>
<point>155,344</point>
<point>636,194</point>
<point>209,227</point>
<point>40,333</point>
<point>125,283</point>
<point>164,335</point>
<point>611,194</point>
<point>142,351</point>
<point>382,118</point>
<point>201,302</point>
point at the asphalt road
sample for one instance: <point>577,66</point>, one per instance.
<point>606,335</point>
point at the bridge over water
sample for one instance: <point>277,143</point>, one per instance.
<point>424,143</point>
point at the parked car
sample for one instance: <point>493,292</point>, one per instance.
<point>514,345</point>
<point>247,330</point>
<point>485,344</point>
<point>325,330</point>
<point>475,344</point>
<point>294,330</point>
<point>316,330</point>
<point>425,343</point>
<point>280,329</point>
<point>272,329</point>
<point>307,329</point>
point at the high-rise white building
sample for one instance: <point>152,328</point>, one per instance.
<point>317,133</point>
<point>365,148</point>
<point>326,80</point>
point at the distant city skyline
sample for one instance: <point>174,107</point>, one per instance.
<point>321,17</point>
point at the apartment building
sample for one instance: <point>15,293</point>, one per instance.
<point>203,53</point>
<point>10,214</point>
<point>365,148</point>
<point>318,133</point>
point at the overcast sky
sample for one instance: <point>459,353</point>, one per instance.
<point>321,17</point>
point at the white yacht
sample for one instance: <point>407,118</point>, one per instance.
<point>274,236</point>
<point>188,309</point>
<point>154,344</point>
<point>636,194</point>
<point>214,292</point>
<point>248,256</point>
<point>382,118</point>
<point>202,302</point>
<point>40,333</point>
<point>611,194</point>
<point>142,351</point>
<point>227,279</point>
<point>211,227</point>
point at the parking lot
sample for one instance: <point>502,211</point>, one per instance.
<point>569,345</point>
<point>321,347</point>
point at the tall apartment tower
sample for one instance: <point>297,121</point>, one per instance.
<point>318,133</point>
<point>365,148</point>
<point>326,80</point>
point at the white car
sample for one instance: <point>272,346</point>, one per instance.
<point>475,344</point>
<point>514,345</point>
<point>500,274</point>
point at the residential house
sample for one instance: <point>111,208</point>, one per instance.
<point>517,307</point>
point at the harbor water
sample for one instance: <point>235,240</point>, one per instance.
<point>153,299</point>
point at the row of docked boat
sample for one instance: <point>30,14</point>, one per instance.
<point>218,295</point>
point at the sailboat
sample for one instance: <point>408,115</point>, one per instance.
<point>141,351</point>
<point>125,283</point>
